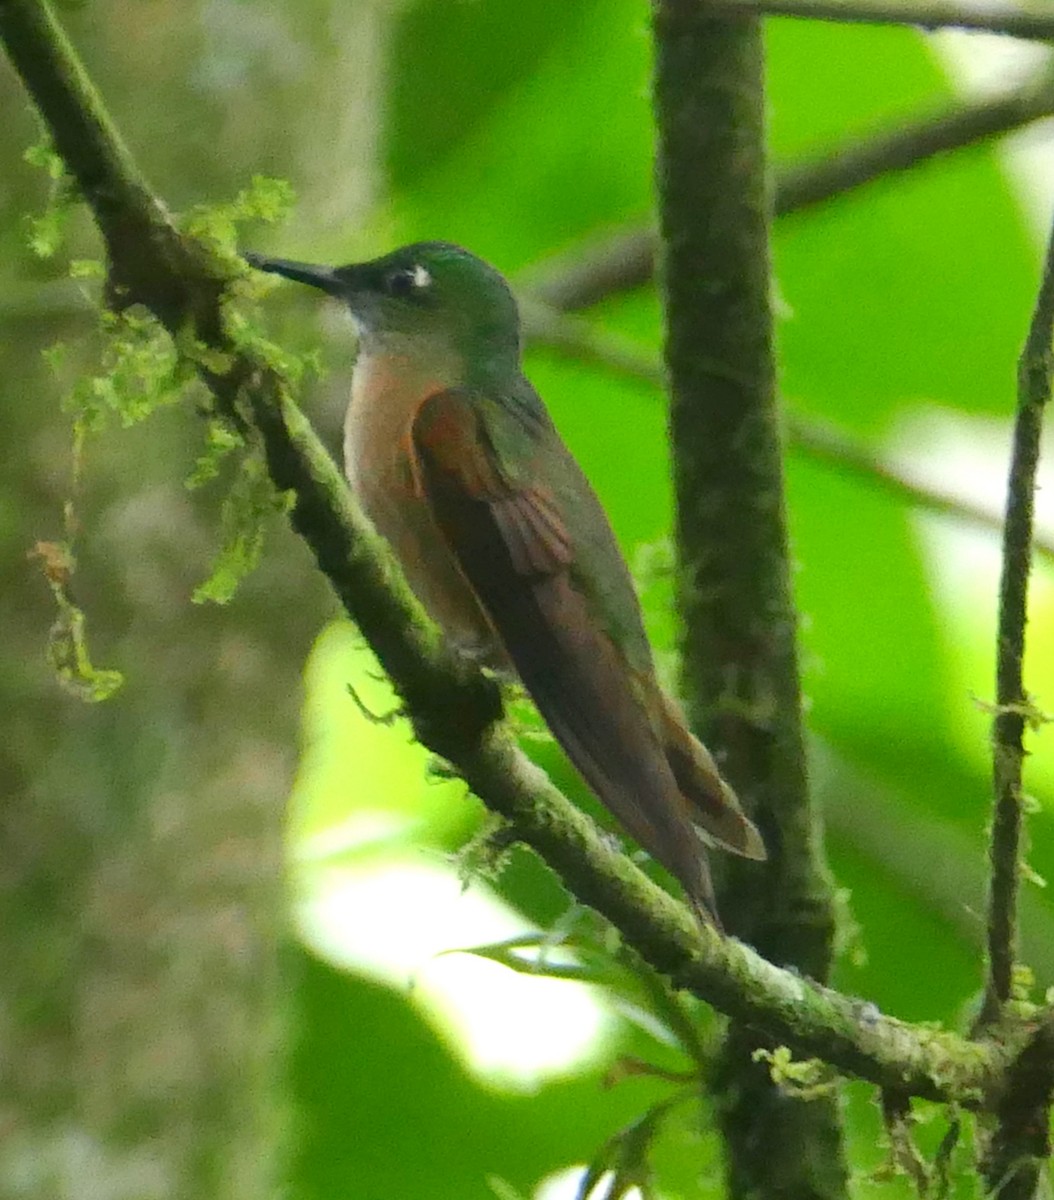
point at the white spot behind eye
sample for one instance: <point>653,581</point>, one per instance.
<point>421,276</point>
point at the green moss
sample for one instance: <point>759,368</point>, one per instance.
<point>217,225</point>
<point>137,370</point>
<point>805,1079</point>
<point>46,231</point>
<point>220,441</point>
<point>250,503</point>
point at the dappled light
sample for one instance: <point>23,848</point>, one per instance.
<point>398,921</point>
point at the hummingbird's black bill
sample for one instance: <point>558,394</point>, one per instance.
<point>321,277</point>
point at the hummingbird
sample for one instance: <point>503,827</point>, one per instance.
<point>454,458</point>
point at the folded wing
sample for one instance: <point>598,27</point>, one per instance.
<point>506,529</point>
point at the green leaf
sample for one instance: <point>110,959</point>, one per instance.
<point>552,960</point>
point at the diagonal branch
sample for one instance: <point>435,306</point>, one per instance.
<point>455,710</point>
<point>866,159</point>
<point>1035,369</point>
<point>626,260</point>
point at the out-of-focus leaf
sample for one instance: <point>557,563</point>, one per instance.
<point>386,1110</point>
<point>545,962</point>
<point>446,79</point>
<point>522,179</point>
<point>622,1162</point>
<point>637,992</point>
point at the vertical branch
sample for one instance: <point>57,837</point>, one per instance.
<point>739,639</point>
<point>1012,702</point>
<point>1015,1154</point>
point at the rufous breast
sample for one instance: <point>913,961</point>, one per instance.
<point>388,387</point>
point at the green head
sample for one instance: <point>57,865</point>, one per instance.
<point>433,290</point>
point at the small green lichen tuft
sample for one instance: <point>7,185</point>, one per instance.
<point>44,155</point>
<point>139,370</point>
<point>87,268</point>
<point>523,716</point>
<point>1029,874</point>
<point>1021,1005</point>
<point>1027,709</point>
<point>240,323</point>
<point>47,230</point>
<point>848,932</point>
<point>804,1079</point>
<point>486,854</point>
<point>220,441</point>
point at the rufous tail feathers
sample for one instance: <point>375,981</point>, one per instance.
<point>713,805</point>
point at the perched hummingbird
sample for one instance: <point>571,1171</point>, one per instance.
<point>455,460</point>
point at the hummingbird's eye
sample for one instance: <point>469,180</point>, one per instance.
<point>408,282</point>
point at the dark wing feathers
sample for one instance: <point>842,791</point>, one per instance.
<point>537,543</point>
<point>514,549</point>
<point>454,451</point>
<point>716,808</point>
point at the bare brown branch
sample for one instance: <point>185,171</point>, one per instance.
<point>1016,20</point>
<point>1014,705</point>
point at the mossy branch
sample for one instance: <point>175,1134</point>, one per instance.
<point>739,627</point>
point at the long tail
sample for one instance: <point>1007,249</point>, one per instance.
<point>714,807</point>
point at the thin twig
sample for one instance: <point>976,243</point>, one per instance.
<point>1035,368</point>
<point>584,275</point>
<point>626,259</point>
<point>817,439</point>
<point>863,160</point>
<point>1016,20</point>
